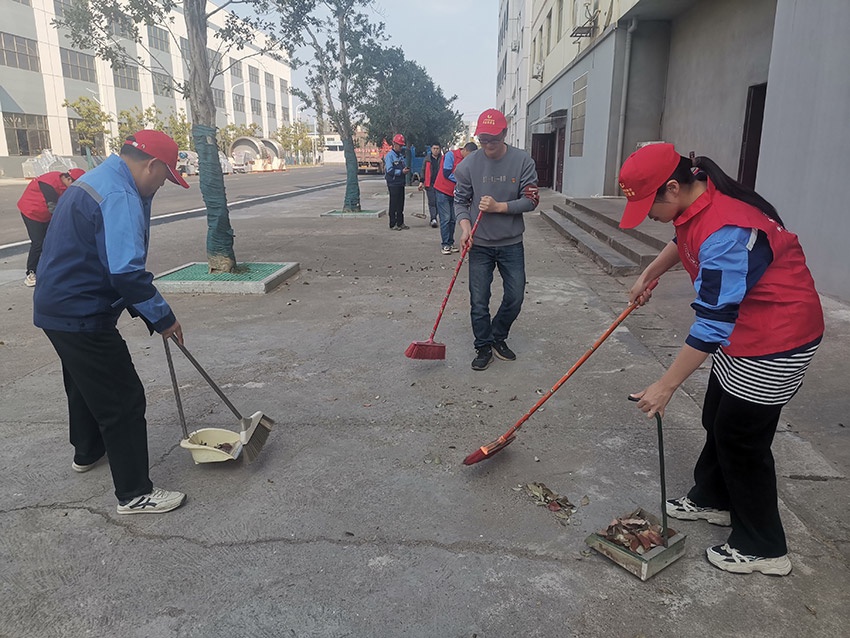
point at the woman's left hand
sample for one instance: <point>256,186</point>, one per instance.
<point>654,399</point>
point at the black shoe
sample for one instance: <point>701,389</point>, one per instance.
<point>483,358</point>
<point>402,227</point>
<point>503,352</point>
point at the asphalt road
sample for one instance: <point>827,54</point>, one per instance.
<point>172,199</point>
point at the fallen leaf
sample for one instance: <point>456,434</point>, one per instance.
<point>584,501</point>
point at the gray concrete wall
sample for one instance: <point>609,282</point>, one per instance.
<point>806,138</point>
<point>647,84</point>
<point>718,50</point>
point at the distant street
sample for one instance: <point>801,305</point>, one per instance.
<point>172,198</point>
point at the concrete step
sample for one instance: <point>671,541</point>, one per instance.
<point>631,247</point>
<point>602,253</point>
<point>610,210</point>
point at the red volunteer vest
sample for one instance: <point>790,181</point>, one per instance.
<point>782,311</point>
<point>427,179</point>
<point>444,185</point>
<point>32,203</point>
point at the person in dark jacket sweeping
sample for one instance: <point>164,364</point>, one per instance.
<point>93,267</point>
<point>757,313</point>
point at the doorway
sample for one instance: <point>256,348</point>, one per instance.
<point>751,140</point>
<point>559,162</point>
<point>543,154</point>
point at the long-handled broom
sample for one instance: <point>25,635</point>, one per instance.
<point>431,349</point>
<point>254,429</point>
<point>487,451</point>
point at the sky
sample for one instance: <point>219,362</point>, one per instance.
<point>455,41</point>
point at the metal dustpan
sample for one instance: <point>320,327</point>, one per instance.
<point>207,445</point>
<point>645,565</point>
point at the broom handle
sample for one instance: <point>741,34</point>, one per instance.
<point>207,378</point>
<point>575,367</point>
<point>176,389</point>
<point>454,277</point>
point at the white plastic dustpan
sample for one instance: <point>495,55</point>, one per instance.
<point>213,445</point>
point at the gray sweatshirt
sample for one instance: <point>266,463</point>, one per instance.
<point>511,179</point>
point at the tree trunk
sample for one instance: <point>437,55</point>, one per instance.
<point>352,185</point>
<point>220,255</point>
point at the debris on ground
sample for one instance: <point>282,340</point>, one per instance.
<point>638,532</point>
<point>560,506</point>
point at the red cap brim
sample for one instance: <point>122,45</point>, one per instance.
<point>177,178</point>
<point>636,211</point>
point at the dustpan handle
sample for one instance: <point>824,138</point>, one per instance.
<point>665,532</point>
<point>175,388</point>
<point>207,377</point>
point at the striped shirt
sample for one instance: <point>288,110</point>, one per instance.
<point>768,380</point>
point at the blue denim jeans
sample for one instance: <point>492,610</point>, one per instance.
<point>446,210</point>
<point>483,260</point>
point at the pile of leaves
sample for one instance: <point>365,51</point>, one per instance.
<point>638,532</point>
<point>560,506</point>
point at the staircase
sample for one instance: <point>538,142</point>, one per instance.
<point>592,224</point>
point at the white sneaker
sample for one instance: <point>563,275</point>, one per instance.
<point>29,281</point>
<point>730,559</point>
<point>446,250</point>
<point>434,223</point>
<point>454,248</point>
<point>157,502</point>
<point>686,510</point>
<point>85,468</point>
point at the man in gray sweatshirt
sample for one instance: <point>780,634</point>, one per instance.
<point>500,183</point>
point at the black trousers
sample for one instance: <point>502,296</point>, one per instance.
<point>735,470</point>
<point>106,406</point>
<point>396,207</point>
<point>432,201</point>
<point>36,231</point>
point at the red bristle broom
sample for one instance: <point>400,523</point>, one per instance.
<point>431,349</point>
<point>487,451</point>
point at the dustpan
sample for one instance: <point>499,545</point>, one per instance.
<point>645,565</point>
<point>207,445</point>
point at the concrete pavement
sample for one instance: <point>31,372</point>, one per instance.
<point>359,519</point>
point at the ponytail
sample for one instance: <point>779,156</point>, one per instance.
<point>725,184</point>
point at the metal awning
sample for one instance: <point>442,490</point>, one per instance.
<point>546,124</point>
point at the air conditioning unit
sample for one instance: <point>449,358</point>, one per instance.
<point>537,74</point>
<point>515,45</point>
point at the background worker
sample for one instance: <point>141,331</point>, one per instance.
<point>757,312</point>
<point>92,268</point>
<point>445,185</point>
<point>501,181</point>
<point>433,163</point>
<point>36,205</point>
<point>395,171</point>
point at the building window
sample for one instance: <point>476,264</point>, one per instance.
<point>78,66</point>
<point>121,27</point>
<point>284,87</point>
<point>218,98</point>
<point>560,18</point>
<point>235,68</point>
<point>269,81</point>
<point>548,33</point>
<point>26,2</point>
<point>253,75</point>
<point>256,108</point>
<point>26,134</point>
<point>215,58</point>
<point>126,78</point>
<point>184,48</point>
<point>238,103</point>
<point>79,149</point>
<point>577,117</point>
<point>18,52</point>
<point>162,85</point>
<point>59,7</point>
<point>271,109</point>
<point>284,113</point>
<point>158,38</point>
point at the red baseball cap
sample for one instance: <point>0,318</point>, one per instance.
<point>76,173</point>
<point>398,138</point>
<point>159,145</point>
<point>491,122</point>
<point>643,173</point>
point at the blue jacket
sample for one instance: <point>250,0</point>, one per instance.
<point>394,166</point>
<point>93,262</point>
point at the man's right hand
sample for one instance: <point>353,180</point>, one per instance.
<point>421,186</point>
<point>174,329</point>
<point>465,234</point>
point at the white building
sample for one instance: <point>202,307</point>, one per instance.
<point>39,70</point>
<point>514,55</point>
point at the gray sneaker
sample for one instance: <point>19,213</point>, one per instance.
<point>157,502</point>
<point>730,559</point>
<point>686,510</point>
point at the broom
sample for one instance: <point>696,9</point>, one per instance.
<point>486,451</point>
<point>254,429</point>
<point>430,349</point>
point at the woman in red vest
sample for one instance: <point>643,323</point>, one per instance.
<point>36,206</point>
<point>757,313</point>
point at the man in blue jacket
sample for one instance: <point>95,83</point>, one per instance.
<point>395,170</point>
<point>92,267</point>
